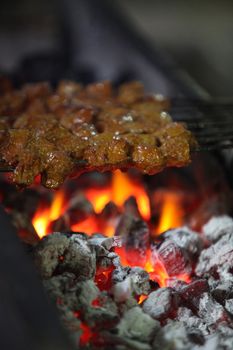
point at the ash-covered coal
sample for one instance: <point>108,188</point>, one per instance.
<point>104,304</point>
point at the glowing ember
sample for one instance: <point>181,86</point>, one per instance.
<point>87,334</point>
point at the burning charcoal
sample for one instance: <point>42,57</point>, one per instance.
<point>102,314</point>
<point>174,258</point>
<point>48,253</point>
<point>140,280</point>
<point>190,294</point>
<point>102,246</point>
<point>137,325</point>
<point>79,258</point>
<point>131,207</point>
<point>218,226</point>
<point>191,321</point>
<point>216,256</point>
<point>229,306</point>
<point>173,336</point>
<point>135,237</point>
<point>211,312</point>
<point>186,239</point>
<point>161,304</point>
<point>135,283</point>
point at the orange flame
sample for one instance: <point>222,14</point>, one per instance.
<point>44,216</point>
<point>172,212</point>
<point>89,226</point>
<point>121,189</point>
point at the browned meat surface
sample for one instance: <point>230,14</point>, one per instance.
<point>73,129</point>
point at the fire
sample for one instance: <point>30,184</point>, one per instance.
<point>121,188</point>
<point>89,226</point>
<point>44,216</point>
<point>172,212</point>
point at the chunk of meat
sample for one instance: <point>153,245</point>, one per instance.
<point>54,132</point>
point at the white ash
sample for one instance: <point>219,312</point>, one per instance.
<point>71,323</point>
<point>48,251</point>
<point>58,286</point>
<point>187,239</point>
<point>120,273</point>
<point>135,324</point>
<point>229,306</point>
<point>217,226</point>
<point>221,340</point>
<point>105,242</point>
<point>161,303</point>
<point>116,342</point>
<point>191,321</point>
<point>211,312</point>
<point>173,336</point>
<point>217,255</point>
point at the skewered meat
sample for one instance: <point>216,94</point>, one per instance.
<point>74,129</point>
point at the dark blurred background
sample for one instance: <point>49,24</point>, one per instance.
<point>198,35</point>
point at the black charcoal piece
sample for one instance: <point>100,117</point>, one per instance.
<point>137,325</point>
<point>219,254</point>
<point>211,312</point>
<point>79,258</point>
<point>189,240</point>
<point>131,207</point>
<point>48,253</point>
<point>175,259</point>
<point>61,224</point>
<point>161,304</point>
<point>79,209</point>
<point>218,226</point>
<point>110,211</point>
<point>222,290</point>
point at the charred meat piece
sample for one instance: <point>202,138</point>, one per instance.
<point>54,132</point>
